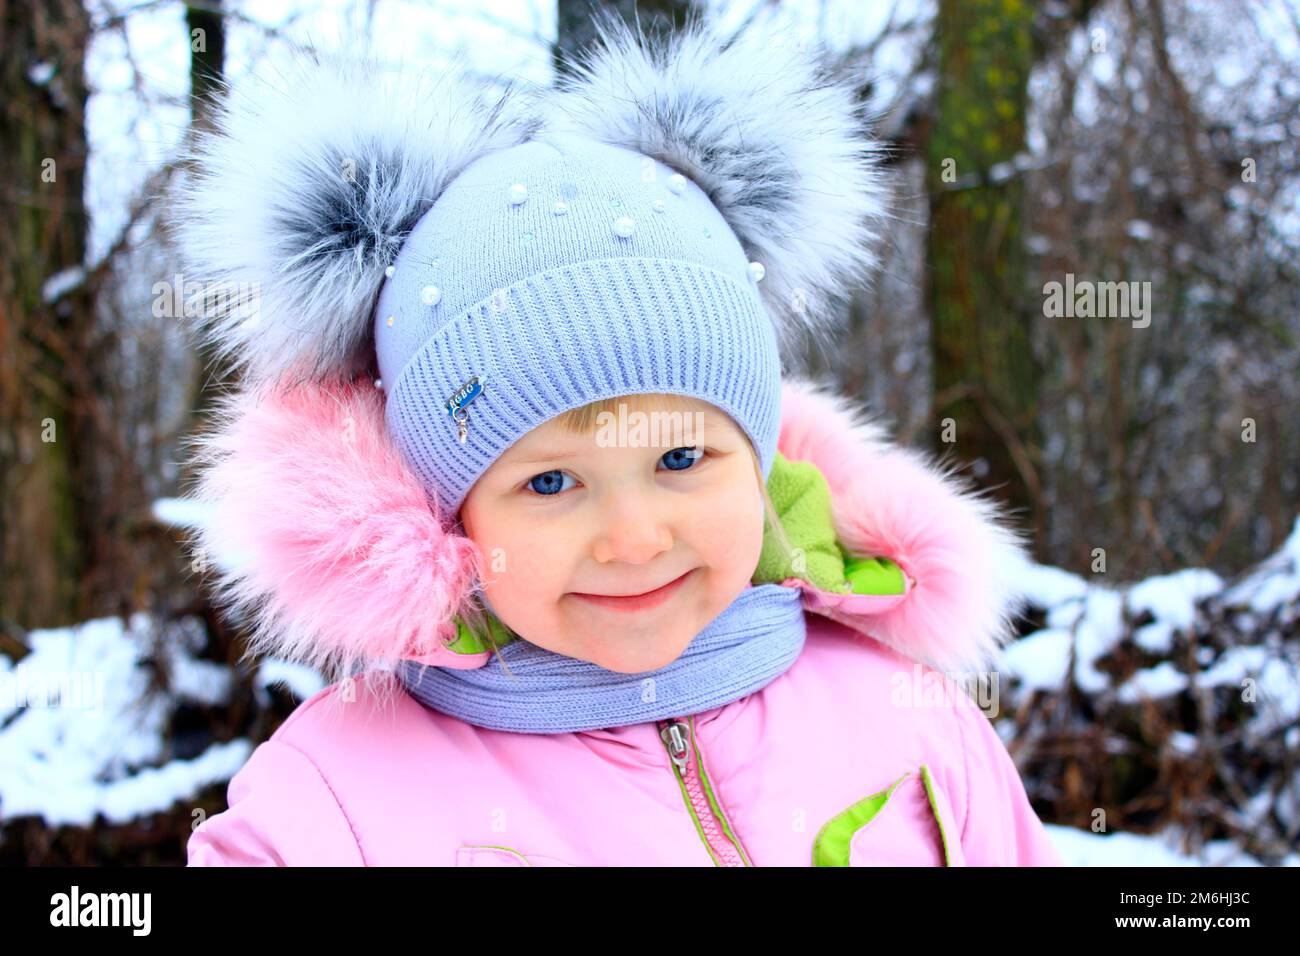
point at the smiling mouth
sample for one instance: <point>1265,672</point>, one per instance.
<point>636,602</point>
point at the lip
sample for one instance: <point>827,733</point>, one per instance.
<point>637,602</point>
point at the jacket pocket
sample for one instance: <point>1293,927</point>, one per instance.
<point>501,856</point>
<point>909,823</point>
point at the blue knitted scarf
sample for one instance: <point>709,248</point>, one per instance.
<point>746,647</point>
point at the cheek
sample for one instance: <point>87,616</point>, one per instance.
<point>523,563</point>
<point>729,529</point>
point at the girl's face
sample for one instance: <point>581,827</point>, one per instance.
<point>564,520</point>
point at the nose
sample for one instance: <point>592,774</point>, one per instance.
<point>632,529</point>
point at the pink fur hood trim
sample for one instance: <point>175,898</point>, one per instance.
<point>324,544</point>
<point>956,544</point>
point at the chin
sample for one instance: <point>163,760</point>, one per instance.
<point>642,663</point>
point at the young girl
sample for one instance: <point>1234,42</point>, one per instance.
<point>513,461</point>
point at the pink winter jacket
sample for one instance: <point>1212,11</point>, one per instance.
<point>855,756</point>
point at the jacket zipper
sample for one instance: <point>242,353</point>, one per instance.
<point>678,735</point>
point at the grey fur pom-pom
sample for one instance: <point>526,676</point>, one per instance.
<point>780,147</point>
<point>300,196</point>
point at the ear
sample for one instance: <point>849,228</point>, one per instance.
<point>780,147</point>
<point>297,201</point>
<point>321,537</point>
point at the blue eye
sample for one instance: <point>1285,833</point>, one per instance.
<point>679,459</point>
<point>548,482</point>
<point>551,483</point>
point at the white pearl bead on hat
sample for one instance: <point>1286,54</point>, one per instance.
<point>757,270</point>
<point>431,295</point>
<point>518,193</point>
<point>560,207</point>
<point>677,182</point>
<point>624,226</point>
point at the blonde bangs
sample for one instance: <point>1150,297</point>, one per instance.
<point>583,420</point>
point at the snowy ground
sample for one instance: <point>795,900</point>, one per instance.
<point>80,733</point>
<point>1088,618</point>
<point>1083,848</point>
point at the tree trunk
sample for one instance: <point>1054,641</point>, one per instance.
<point>51,527</point>
<point>985,378</point>
<point>207,38</point>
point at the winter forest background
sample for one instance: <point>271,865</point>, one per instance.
<point>1151,701</point>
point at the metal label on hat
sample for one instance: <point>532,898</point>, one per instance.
<point>461,398</point>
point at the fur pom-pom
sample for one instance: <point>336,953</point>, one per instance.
<point>300,196</point>
<point>895,502</point>
<point>322,541</point>
<point>780,147</point>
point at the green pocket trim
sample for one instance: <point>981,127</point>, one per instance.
<point>934,808</point>
<point>831,848</point>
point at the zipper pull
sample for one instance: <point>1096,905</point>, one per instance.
<point>676,737</point>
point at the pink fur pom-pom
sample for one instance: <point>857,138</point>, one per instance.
<point>323,541</point>
<point>894,502</point>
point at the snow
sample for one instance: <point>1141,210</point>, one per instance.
<point>302,681</point>
<point>1172,597</point>
<point>157,789</point>
<point>1097,631</point>
<point>1276,687</point>
<point>1140,229</point>
<point>1274,583</point>
<point>1278,684</point>
<point>41,72</point>
<point>1038,244</point>
<point>204,682</point>
<point>61,283</point>
<point>1163,680</point>
<point>1085,848</point>
<point>102,749</point>
<point>1088,620</point>
<point>1046,586</point>
<point>81,733</point>
<point>1040,661</point>
<point>1236,664</point>
<point>182,512</point>
<point>189,513</point>
<point>1155,638</point>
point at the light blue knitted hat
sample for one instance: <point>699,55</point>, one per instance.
<point>556,273</point>
<point>669,217</point>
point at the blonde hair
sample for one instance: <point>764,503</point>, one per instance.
<point>584,419</point>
